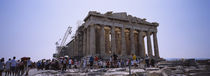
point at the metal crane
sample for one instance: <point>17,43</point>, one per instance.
<point>62,44</point>
<point>68,32</point>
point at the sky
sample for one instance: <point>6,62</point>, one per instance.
<point>31,27</point>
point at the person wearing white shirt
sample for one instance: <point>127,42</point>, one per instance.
<point>104,64</point>
<point>70,61</point>
<point>29,62</point>
<point>119,64</point>
<point>84,63</point>
<point>29,65</point>
<point>13,66</point>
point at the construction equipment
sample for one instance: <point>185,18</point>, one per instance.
<point>62,44</point>
<point>68,32</point>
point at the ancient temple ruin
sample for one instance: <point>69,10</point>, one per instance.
<point>119,33</point>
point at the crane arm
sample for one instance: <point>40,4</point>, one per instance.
<point>68,31</point>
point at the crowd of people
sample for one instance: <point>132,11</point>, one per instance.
<point>13,67</point>
<point>93,62</point>
<point>19,67</point>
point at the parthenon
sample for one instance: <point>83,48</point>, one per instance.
<point>114,33</point>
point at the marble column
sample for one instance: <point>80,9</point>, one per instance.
<point>107,41</point>
<point>113,43</point>
<point>84,43</point>
<point>74,46</point>
<point>155,45</point>
<point>132,41</point>
<point>88,41</point>
<point>118,42</point>
<point>141,44</point>
<point>144,52</point>
<point>123,51</point>
<point>149,46</point>
<point>102,40</point>
<point>92,40</point>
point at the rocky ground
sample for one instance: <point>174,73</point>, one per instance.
<point>201,70</point>
<point>86,72</point>
<point>163,68</point>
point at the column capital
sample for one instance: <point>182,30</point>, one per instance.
<point>154,32</point>
<point>91,25</point>
<point>102,25</point>
<point>112,26</point>
<point>131,29</point>
<point>148,33</point>
<point>140,30</point>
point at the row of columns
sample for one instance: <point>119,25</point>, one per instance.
<point>89,40</point>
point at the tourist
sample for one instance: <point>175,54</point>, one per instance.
<point>104,64</point>
<point>28,66</point>
<point>88,62</point>
<point>152,62</point>
<point>141,62</point>
<point>51,64</point>
<point>134,56</point>
<point>78,63</point>
<point>18,67</point>
<point>96,58</point>
<point>21,66</point>
<point>115,60</point>
<point>100,64</point>
<point>134,62</point>
<point>13,66</point>
<point>119,64</point>
<point>54,64</point>
<point>42,64</point>
<point>7,67</point>
<point>95,61</point>
<point>75,63</point>
<point>91,61</point>
<point>47,65</point>
<point>64,63</point>
<point>84,62</point>
<point>122,63</point>
<point>60,64</point>
<point>38,64</point>
<point>110,59</point>
<point>137,62</point>
<point>127,62</point>
<point>70,63</point>
<point>147,61</point>
<point>1,66</point>
<point>107,64</point>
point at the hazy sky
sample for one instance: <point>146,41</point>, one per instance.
<point>31,27</point>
